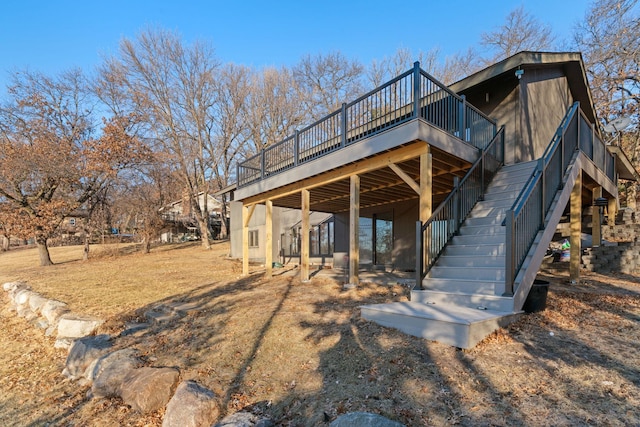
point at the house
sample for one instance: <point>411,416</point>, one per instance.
<point>465,185</point>
<point>181,223</point>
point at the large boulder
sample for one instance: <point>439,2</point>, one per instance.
<point>77,326</point>
<point>21,297</point>
<point>244,419</point>
<point>363,419</point>
<point>191,406</point>
<point>52,310</point>
<point>36,302</point>
<point>14,287</point>
<point>11,286</point>
<point>149,389</point>
<point>23,310</point>
<point>110,370</point>
<point>83,352</point>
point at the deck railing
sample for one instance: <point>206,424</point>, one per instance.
<point>527,215</point>
<point>413,94</point>
<point>433,236</point>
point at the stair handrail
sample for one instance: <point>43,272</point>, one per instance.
<point>451,213</point>
<point>526,217</point>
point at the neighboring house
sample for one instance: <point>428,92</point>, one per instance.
<point>181,223</point>
<point>465,185</point>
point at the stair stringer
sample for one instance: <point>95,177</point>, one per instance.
<point>528,272</point>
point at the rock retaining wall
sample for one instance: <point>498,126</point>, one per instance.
<point>121,373</point>
<point>624,257</point>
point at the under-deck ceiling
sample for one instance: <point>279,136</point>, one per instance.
<point>383,186</point>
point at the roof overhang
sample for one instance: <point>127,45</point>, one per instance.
<point>624,167</point>
<point>571,62</point>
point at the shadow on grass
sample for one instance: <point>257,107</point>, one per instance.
<point>301,354</point>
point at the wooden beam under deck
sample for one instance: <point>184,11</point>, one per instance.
<point>356,168</point>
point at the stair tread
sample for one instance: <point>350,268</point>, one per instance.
<point>483,295</point>
<point>463,280</point>
<point>441,312</point>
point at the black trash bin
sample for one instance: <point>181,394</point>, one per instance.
<point>537,298</point>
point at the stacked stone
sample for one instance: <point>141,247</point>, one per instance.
<point>54,317</point>
<point>624,258</point>
<point>121,373</point>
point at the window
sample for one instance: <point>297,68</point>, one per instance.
<point>253,238</point>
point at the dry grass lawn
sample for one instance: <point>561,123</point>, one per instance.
<point>301,354</point>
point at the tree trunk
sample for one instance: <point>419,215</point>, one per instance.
<point>224,232</point>
<point>147,245</point>
<point>5,243</point>
<point>43,251</point>
<point>85,251</point>
<point>204,232</point>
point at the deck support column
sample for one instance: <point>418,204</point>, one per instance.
<point>612,211</point>
<point>354,229</point>
<point>247,212</point>
<point>576,224</point>
<point>426,181</point>
<point>268,239</point>
<point>596,220</point>
<point>304,237</point>
<point>425,203</point>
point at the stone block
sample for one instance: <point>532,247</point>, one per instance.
<point>40,323</point>
<point>77,326</point>
<point>52,310</point>
<point>63,343</point>
<point>12,286</point>
<point>363,419</point>
<point>244,419</point>
<point>21,297</point>
<point>110,371</point>
<point>83,352</point>
<point>25,311</point>
<point>36,302</point>
<point>191,406</point>
<point>149,389</point>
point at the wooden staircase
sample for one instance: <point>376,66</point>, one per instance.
<point>461,300</point>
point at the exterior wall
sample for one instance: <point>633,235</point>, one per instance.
<point>404,246</point>
<point>545,101</point>
<point>531,108</point>
<point>282,219</point>
<point>405,216</point>
<point>256,223</point>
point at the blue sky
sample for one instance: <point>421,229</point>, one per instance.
<point>54,35</point>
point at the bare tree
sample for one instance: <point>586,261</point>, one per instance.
<point>608,38</point>
<point>50,158</point>
<point>459,66</point>
<point>174,85</point>
<point>326,81</point>
<point>274,111</point>
<point>381,71</point>
<point>233,131</point>
<point>521,31</point>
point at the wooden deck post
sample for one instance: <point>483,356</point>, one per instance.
<point>426,202</point>
<point>612,211</point>
<point>576,224</point>
<point>268,225</point>
<point>596,221</point>
<point>354,229</point>
<point>426,185</point>
<point>247,212</point>
<point>304,238</point>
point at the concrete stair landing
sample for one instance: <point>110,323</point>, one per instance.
<point>450,324</point>
<point>461,300</point>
